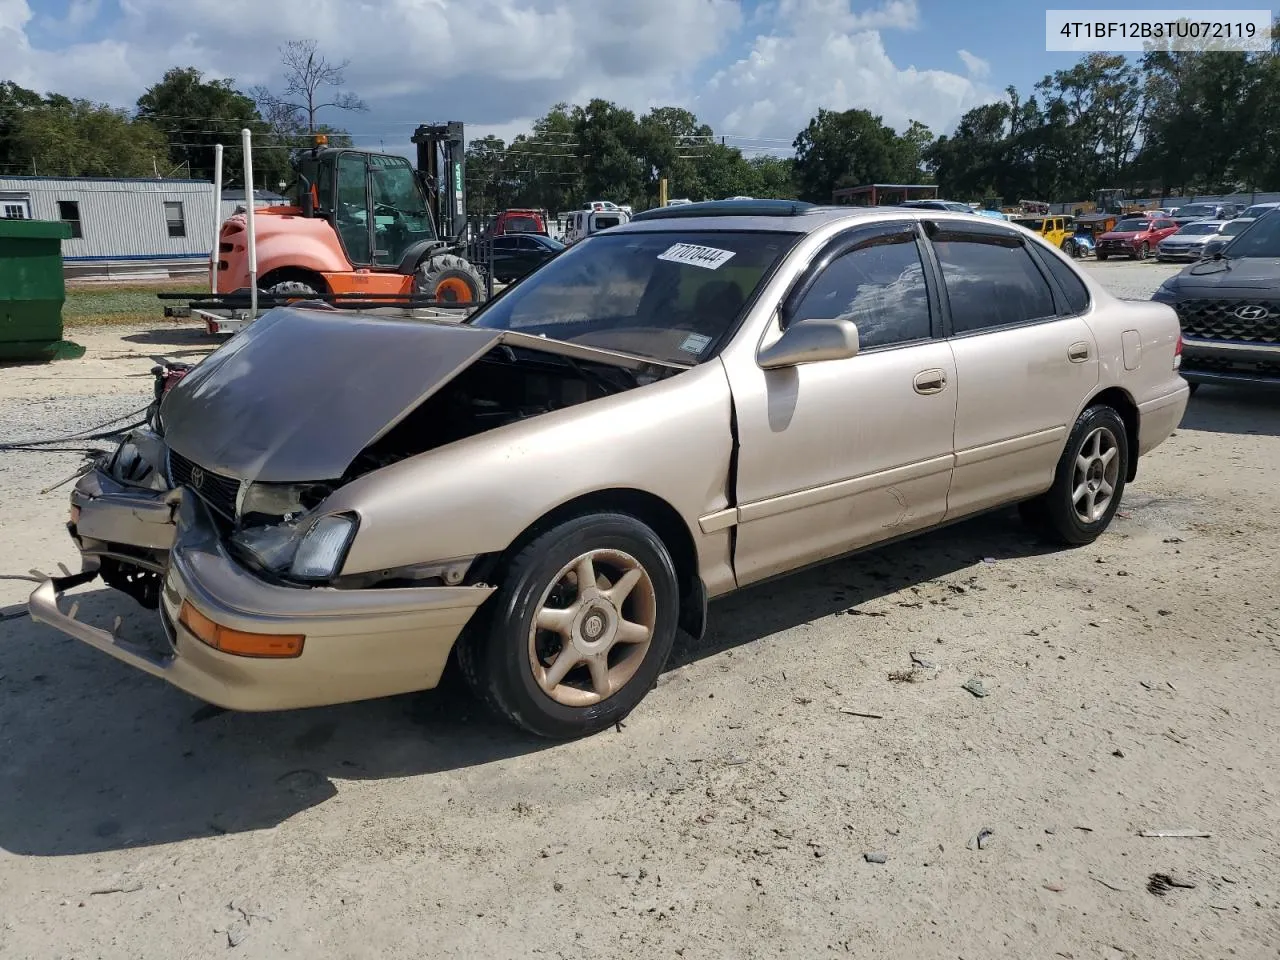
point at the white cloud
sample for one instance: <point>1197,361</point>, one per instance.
<point>821,53</point>
<point>496,63</point>
<point>976,66</point>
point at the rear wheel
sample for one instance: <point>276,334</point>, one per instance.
<point>449,279</point>
<point>1089,480</point>
<point>1069,248</point>
<point>579,630</point>
<point>1144,250</point>
<point>292,290</point>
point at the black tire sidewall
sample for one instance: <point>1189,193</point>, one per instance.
<point>433,271</point>
<point>1059,508</point>
<point>504,666</point>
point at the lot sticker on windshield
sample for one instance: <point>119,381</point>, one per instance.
<point>695,343</point>
<point>696,255</point>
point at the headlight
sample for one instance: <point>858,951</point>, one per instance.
<point>323,547</point>
<point>139,460</point>
<point>309,549</point>
<point>281,499</point>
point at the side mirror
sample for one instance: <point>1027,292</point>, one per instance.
<point>810,341</point>
<point>1213,250</point>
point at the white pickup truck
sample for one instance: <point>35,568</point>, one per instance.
<point>596,216</point>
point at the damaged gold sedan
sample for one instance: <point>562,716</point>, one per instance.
<point>329,506</point>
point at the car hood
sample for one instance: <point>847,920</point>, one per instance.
<point>1191,238</point>
<point>1116,235</point>
<point>299,393</point>
<point>1225,278</point>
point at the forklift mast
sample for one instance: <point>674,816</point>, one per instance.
<point>441,165</point>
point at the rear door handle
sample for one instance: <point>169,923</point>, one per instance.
<point>1078,352</point>
<point>931,381</point>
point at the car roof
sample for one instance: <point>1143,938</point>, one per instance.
<point>782,216</point>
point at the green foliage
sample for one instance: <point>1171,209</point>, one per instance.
<point>854,147</point>
<point>75,138</point>
<point>195,114</point>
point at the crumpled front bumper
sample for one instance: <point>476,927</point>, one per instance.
<point>359,644</point>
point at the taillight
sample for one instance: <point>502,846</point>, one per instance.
<point>1177,352</point>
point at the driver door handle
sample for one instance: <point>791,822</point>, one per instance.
<point>1078,352</point>
<point>930,381</point>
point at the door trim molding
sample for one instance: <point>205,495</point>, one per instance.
<point>1003,448</point>
<point>827,492</point>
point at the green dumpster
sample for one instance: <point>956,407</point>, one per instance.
<point>32,290</point>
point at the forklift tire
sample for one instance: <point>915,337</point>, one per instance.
<point>449,279</point>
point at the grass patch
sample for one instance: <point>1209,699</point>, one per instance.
<point>101,303</point>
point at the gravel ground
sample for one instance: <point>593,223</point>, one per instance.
<point>1131,687</point>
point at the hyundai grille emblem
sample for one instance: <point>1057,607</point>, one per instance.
<point>197,478</point>
<point>1251,312</point>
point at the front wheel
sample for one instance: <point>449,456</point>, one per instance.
<point>1102,256</point>
<point>579,630</point>
<point>1088,482</point>
<point>1144,251</point>
<point>449,279</point>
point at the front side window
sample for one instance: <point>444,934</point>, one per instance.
<point>669,296</point>
<point>174,218</point>
<point>991,280</point>
<point>880,287</point>
<point>399,208</point>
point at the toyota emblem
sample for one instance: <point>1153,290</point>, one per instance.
<point>1251,312</point>
<point>197,478</point>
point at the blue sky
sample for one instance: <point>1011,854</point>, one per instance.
<point>756,70</point>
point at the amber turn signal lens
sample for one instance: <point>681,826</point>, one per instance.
<point>238,642</point>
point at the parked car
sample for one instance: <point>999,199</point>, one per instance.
<point>1229,308</point>
<point>1257,210</point>
<point>514,221</point>
<point>668,411</point>
<point>1206,211</point>
<point>516,255</point>
<point>1188,243</point>
<point>596,216</point>
<point>1083,243</point>
<point>1059,231</point>
<point>1135,237</point>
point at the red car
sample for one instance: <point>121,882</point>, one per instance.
<point>510,222</point>
<point>1135,237</point>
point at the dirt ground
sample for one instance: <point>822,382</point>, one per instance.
<point>1131,686</point>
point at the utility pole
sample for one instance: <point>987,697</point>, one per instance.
<point>662,192</point>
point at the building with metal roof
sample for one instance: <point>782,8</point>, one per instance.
<point>120,225</point>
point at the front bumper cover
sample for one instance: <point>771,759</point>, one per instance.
<point>359,644</point>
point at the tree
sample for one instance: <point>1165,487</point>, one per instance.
<point>771,178</point>
<point>612,167</point>
<point>76,138</point>
<point>15,101</point>
<point>195,114</point>
<point>309,77</point>
<point>491,186</point>
<point>544,163</point>
<point>844,149</point>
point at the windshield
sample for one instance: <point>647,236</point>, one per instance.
<point>397,197</point>
<point>1197,210</point>
<point>671,297</point>
<point>1132,226</point>
<point>522,224</point>
<point>1195,229</point>
<point>1254,212</point>
<point>1260,239</point>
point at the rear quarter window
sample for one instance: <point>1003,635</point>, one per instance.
<point>1073,288</point>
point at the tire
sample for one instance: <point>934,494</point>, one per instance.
<point>511,665</point>
<point>1060,513</point>
<point>1069,248</point>
<point>292,289</point>
<point>1193,387</point>
<point>1102,256</point>
<point>1144,251</point>
<point>449,279</point>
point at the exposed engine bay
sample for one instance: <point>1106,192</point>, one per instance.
<point>505,385</point>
